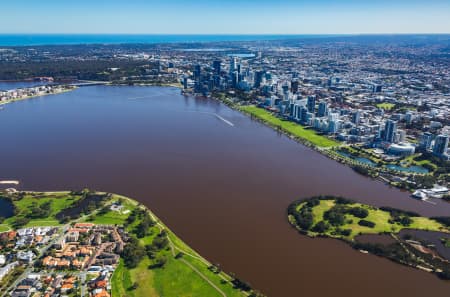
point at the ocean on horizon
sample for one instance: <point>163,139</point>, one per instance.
<point>71,39</point>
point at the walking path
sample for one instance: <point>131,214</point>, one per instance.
<point>173,247</point>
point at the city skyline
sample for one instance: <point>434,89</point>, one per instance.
<point>232,17</point>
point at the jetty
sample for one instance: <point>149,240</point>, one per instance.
<point>9,182</point>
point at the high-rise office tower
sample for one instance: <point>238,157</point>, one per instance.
<point>440,145</point>
<point>235,79</point>
<point>389,130</point>
<point>333,126</point>
<point>356,117</point>
<point>233,64</point>
<point>311,104</point>
<point>197,72</point>
<point>377,88</point>
<point>294,86</point>
<point>258,78</point>
<point>426,140</point>
<point>217,64</point>
<point>285,88</point>
<point>323,109</point>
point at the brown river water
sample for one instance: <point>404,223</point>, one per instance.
<point>219,180</point>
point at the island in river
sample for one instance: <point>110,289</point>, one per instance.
<point>99,244</point>
<point>336,217</point>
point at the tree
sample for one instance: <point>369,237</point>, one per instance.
<point>160,242</point>
<point>160,261</point>
<point>366,223</point>
<point>321,227</point>
<point>304,219</point>
<point>336,215</point>
<point>359,212</point>
<point>133,253</point>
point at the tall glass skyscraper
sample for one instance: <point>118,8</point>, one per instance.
<point>389,130</point>
<point>440,145</point>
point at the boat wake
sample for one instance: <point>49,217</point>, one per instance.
<point>144,97</point>
<point>215,115</point>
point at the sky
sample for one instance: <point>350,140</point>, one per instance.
<point>225,16</point>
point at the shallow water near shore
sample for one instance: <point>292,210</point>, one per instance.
<point>222,188</point>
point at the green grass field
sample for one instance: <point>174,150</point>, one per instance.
<point>379,217</point>
<point>411,160</point>
<point>113,217</point>
<point>176,278</point>
<point>291,127</point>
<point>4,228</point>
<point>386,106</point>
<point>121,281</point>
<point>58,201</point>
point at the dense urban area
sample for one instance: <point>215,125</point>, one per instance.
<point>380,104</point>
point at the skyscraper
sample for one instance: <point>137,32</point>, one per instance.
<point>440,145</point>
<point>217,67</point>
<point>197,72</point>
<point>426,140</point>
<point>333,126</point>
<point>311,104</point>
<point>389,130</point>
<point>294,86</point>
<point>285,88</point>
<point>258,78</point>
<point>233,64</point>
<point>234,79</point>
<point>323,109</point>
<point>303,114</point>
<point>356,117</point>
<point>377,88</point>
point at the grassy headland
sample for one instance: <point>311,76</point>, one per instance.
<point>155,262</point>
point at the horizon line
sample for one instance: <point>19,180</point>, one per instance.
<point>226,34</point>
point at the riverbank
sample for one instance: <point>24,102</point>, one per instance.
<point>339,218</point>
<point>164,264</point>
<point>289,127</point>
<point>389,173</point>
<point>53,91</point>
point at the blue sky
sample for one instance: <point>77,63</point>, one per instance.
<point>225,17</point>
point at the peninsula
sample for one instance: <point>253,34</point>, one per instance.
<point>84,243</point>
<point>9,96</point>
<point>373,230</point>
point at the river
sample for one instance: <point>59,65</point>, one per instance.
<point>222,188</point>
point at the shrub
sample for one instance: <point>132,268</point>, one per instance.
<point>321,227</point>
<point>443,220</point>
<point>359,212</point>
<point>304,218</point>
<point>344,232</point>
<point>366,223</point>
<point>336,215</point>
